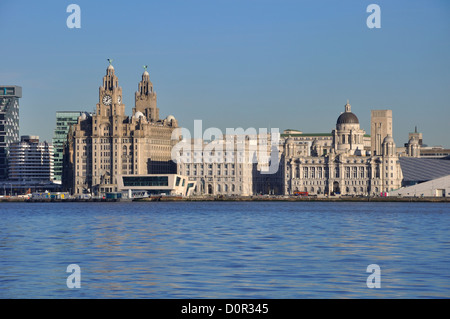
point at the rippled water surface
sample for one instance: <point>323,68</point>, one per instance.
<point>224,249</point>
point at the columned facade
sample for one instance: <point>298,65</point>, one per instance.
<point>346,169</point>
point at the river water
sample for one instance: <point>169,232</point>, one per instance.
<point>237,250</point>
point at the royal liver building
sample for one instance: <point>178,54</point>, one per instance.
<point>108,144</point>
<point>343,164</point>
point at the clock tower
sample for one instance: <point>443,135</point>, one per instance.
<point>110,95</point>
<point>109,144</point>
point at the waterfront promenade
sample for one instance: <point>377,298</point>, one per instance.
<point>221,198</point>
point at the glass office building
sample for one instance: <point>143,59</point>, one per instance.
<point>9,124</point>
<point>64,119</point>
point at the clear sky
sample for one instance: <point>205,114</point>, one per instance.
<point>236,63</point>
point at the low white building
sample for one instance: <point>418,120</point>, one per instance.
<point>439,187</point>
<point>156,184</point>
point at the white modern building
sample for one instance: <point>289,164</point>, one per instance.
<point>439,187</point>
<point>156,184</point>
<point>31,160</point>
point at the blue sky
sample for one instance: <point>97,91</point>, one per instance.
<point>236,63</point>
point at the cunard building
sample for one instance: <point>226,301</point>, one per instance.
<point>107,145</point>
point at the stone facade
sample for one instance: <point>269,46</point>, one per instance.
<point>233,167</point>
<point>380,127</point>
<point>343,168</point>
<point>109,143</point>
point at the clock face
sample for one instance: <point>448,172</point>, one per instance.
<point>107,100</point>
<point>119,99</point>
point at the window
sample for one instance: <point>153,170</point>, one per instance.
<point>145,181</point>
<point>319,172</point>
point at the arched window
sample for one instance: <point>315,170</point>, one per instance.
<point>336,172</point>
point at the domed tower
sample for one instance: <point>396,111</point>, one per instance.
<point>413,147</point>
<point>289,147</point>
<point>391,174</point>
<point>145,98</point>
<point>348,137</point>
<point>388,146</point>
<point>171,121</point>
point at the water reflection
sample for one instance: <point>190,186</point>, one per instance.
<point>224,250</point>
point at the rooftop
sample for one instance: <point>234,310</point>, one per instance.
<point>423,169</point>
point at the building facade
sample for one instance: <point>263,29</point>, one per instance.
<point>31,160</point>
<point>156,184</point>
<point>219,170</point>
<point>345,168</point>
<point>64,119</point>
<point>380,127</point>
<point>109,144</point>
<point>9,123</point>
<point>232,165</point>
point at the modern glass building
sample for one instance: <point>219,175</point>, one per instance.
<point>155,184</point>
<point>64,119</point>
<point>9,123</point>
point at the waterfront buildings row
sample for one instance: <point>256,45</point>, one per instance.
<point>107,151</point>
<point>340,162</point>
